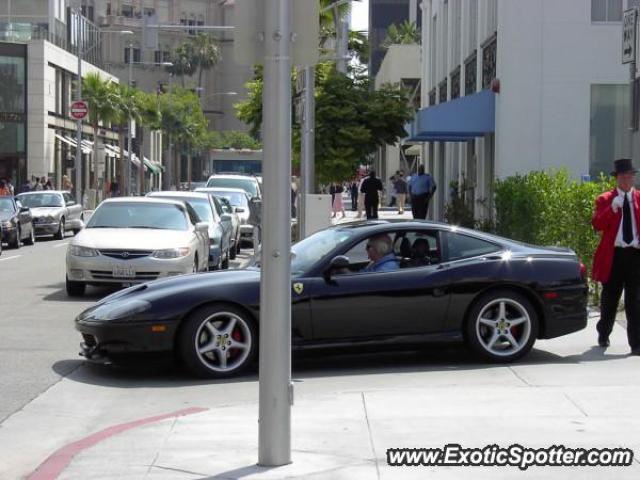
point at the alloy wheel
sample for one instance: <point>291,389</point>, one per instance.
<point>223,342</point>
<point>503,327</point>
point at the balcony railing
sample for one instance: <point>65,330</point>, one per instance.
<point>471,74</point>
<point>455,83</point>
<point>489,61</point>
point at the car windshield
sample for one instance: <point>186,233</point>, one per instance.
<point>309,251</point>
<point>248,184</point>
<point>6,205</point>
<point>236,199</point>
<point>200,205</point>
<point>139,215</point>
<point>35,200</point>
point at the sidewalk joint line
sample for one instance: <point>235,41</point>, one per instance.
<point>373,447</point>
<point>519,377</point>
<point>575,404</point>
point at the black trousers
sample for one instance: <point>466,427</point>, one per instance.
<point>625,275</point>
<point>371,206</point>
<point>354,202</point>
<point>420,205</point>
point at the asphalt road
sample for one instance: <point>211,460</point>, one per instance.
<point>38,343</point>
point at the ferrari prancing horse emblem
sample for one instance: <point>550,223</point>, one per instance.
<point>298,288</point>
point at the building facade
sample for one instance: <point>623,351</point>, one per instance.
<point>513,86</point>
<point>38,72</point>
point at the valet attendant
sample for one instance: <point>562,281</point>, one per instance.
<point>616,262</point>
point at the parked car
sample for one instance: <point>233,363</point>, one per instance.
<point>235,225</point>
<point>219,229</point>
<point>245,209</point>
<point>247,183</point>
<point>136,239</point>
<point>450,283</point>
<point>16,223</point>
<point>54,212</point>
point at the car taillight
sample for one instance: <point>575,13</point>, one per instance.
<point>583,270</point>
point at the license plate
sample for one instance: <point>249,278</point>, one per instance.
<point>123,271</point>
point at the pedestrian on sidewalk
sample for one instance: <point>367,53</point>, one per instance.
<point>421,189</point>
<point>361,197</point>
<point>371,186</point>
<point>401,188</point>
<point>392,191</point>
<point>337,203</point>
<point>4,190</point>
<point>616,263</point>
<point>353,190</point>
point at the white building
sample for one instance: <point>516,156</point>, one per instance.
<point>513,86</point>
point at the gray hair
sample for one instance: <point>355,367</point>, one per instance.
<point>381,243</point>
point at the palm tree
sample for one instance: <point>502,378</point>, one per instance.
<point>126,109</point>
<point>101,101</point>
<point>148,116</point>
<point>205,54</point>
<point>405,33</point>
<point>182,61</point>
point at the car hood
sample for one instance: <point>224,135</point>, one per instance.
<point>132,238</point>
<point>44,211</point>
<point>6,216</point>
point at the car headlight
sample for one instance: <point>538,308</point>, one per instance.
<point>49,219</point>
<point>172,253</point>
<point>119,310</point>
<point>79,251</point>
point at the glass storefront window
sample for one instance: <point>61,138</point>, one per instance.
<point>13,81</point>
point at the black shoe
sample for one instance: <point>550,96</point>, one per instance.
<point>603,341</point>
<point>635,351</point>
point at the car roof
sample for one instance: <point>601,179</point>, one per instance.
<point>246,177</point>
<point>43,192</point>
<point>177,194</point>
<point>221,189</point>
<point>165,201</point>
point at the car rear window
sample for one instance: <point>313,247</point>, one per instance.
<point>249,185</point>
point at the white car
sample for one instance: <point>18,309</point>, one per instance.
<point>243,206</point>
<point>136,239</point>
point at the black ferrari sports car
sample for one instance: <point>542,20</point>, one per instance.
<point>444,283</point>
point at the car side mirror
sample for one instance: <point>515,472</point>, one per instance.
<point>71,203</point>
<point>239,210</point>
<point>202,227</point>
<point>24,209</point>
<point>256,200</point>
<point>337,263</point>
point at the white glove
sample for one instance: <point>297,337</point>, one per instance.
<point>617,203</point>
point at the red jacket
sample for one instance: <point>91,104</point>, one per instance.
<point>607,222</point>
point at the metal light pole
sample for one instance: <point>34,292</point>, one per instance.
<point>78,162</point>
<point>275,285</point>
<point>127,185</point>
<point>307,164</point>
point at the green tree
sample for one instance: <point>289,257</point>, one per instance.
<point>234,139</point>
<point>102,102</point>
<point>183,61</point>
<point>206,54</point>
<point>126,110</point>
<point>405,33</point>
<point>148,117</point>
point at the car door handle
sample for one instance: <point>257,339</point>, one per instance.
<point>439,292</point>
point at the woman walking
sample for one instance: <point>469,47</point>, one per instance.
<point>338,206</point>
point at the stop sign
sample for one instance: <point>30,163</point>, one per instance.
<point>79,109</point>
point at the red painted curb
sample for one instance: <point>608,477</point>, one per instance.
<point>61,458</point>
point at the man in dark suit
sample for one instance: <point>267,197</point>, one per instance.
<point>616,261</point>
<point>370,187</point>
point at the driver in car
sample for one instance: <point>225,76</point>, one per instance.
<point>380,252</point>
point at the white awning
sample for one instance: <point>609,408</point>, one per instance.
<point>72,142</point>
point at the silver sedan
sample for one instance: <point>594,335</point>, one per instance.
<point>54,212</point>
<point>135,240</point>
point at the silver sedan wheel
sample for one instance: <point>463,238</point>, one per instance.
<point>223,342</point>
<point>503,327</point>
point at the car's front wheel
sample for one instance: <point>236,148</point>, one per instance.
<point>75,289</point>
<point>15,243</point>
<point>233,251</point>
<point>502,326</point>
<point>217,341</point>
<point>32,237</point>
<point>59,235</point>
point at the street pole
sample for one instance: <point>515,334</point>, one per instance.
<point>78,162</point>
<point>127,185</point>
<point>275,389</point>
<point>307,165</point>
<point>169,164</point>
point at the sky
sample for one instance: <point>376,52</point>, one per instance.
<point>360,15</point>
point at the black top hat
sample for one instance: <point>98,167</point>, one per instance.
<point>623,165</point>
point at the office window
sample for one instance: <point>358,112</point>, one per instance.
<point>127,11</point>
<point>606,10</point>
<point>136,55</point>
<point>609,132</point>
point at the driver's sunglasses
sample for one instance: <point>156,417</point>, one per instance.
<point>368,246</point>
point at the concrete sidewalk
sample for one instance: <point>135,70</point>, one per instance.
<point>566,392</point>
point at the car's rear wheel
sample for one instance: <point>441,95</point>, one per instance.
<point>15,243</point>
<point>502,326</point>
<point>32,237</point>
<point>233,251</point>
<point>59,235</point>
<point>217,341</point>
<point>225,262</point>
<point>75,289</point>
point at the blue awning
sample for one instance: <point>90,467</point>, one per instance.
<point>458,120</point>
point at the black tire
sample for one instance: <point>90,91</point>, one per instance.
<point>32,237</point>
<point>195,335</point>
<point>490,329</point>
<point>233,252</point>
<point>76,231</point>
<point>16,243</point>
<point>225,263</point>
<point>59,235</point>
<point>75,289</point>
